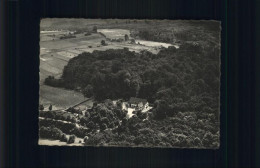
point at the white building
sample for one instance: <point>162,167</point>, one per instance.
<point>138,103</point>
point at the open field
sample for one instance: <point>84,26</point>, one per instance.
<point>58,44</point>
<point>54,61</point>
<point>58,97</point>
<point>114,33</point>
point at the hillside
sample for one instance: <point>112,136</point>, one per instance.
<point>182,84</point>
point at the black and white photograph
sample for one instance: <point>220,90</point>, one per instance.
<point>129,83</point>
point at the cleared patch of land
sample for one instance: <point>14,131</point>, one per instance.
<point>114,33</point>
<point>58,97</point>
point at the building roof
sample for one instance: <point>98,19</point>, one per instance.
<point>135,100</point>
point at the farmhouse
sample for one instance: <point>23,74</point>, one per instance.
<point>135,102</point>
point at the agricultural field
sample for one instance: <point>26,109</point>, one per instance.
<point>59,98</point>
<point>54,55</point>
<point>114,33</point>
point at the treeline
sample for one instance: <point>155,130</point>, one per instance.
<point>55,134</point>
<point>58,115</point>
<point>154,35</point>
<point>203,32</point>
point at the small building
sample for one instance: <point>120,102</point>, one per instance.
<point>139,103</point>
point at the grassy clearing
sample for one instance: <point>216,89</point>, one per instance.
<point>53,61</point>
<point>58,97</point>
<point>86,43</point>
<point>58,44</point>
<point>114,33</point>
<point>81,37</point>
<point>67,54</point>
<point>75,51</point>
<point>49,68</point>
<point>60,57</point>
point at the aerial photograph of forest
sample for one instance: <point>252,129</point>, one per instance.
<point>129,83</point>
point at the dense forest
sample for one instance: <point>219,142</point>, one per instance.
<point>182,85</point>
<point>186,78</point>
